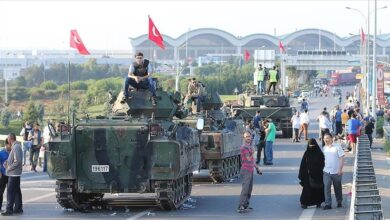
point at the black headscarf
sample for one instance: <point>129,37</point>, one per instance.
<point>313,161</point>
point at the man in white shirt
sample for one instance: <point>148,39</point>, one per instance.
<point>296,124</point>
<point>304,124</point>
<point>324,124</point>
<point>333,171</point>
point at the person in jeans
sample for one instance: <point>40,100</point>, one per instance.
<point>369,129</point>
<point>296,123</point>
<point>333,171</point>
<point>248,165</point>
<point>14,167</point>
<point>139,77</point>
<point>37,140</point>
<point>270,132</point>
<point>3,176</point>
<point>26,143</point>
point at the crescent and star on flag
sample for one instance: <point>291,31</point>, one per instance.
<point>154,34</point>
<point>77,43</point>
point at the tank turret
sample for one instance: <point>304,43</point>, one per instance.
<point>274,107</point>
<point>140,105</point>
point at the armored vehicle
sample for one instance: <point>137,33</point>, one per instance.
<point>275,107</point>
<point>136,150</point>
<point>220,140</point>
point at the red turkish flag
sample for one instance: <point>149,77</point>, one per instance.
<point>77,43</point>
<point>154,35</point>
<point>247,55</point>
<point>281,47</point>
<point>363,37</point>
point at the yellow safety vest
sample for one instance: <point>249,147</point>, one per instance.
<point>260,76</point>
<point>272,75</point>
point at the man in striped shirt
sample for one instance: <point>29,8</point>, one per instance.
<point>247,167</point>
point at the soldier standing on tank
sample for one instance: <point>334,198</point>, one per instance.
<point>139,77</point>
<point>260,79</point>
<point>273,79</point>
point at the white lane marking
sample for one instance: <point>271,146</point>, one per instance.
<point>37,181</point>
<point>32,177</point>
<point>307,213</point>
<point>38,189</point>
<point>39,197</point>
<point>139,215</point>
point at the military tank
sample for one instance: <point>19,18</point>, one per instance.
<point>220,140</point>
<point>135,151</point>
<point>275,107</point>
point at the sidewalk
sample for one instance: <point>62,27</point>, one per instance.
<point>382,172</point>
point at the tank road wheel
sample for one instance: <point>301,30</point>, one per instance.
<point>68,197</point>
<point>216,170</point>
<point>171,194</point>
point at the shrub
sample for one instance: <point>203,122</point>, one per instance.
<point>5,117</point>
<point>37,93</point>
<point>379,126</point>
<point>49,85</point>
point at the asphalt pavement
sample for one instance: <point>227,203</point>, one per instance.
<point>275,194</point>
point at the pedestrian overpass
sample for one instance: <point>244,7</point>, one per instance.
<point>321,63</point>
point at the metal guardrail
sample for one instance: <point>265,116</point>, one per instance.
<point>366,203</point>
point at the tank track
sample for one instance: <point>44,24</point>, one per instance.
<point>172,193</point>
<point>68,197</point>
<point>224,169</point>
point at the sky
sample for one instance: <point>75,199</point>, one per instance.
<point>107,25</point>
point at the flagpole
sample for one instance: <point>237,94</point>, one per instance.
<point>68,89</point>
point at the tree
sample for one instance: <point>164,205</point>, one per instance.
<point>5,117</point>
<point>31,113</point>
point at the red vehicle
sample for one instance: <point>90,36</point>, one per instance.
<point>343,77</point>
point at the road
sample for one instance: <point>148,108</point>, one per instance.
<point>275,194</point>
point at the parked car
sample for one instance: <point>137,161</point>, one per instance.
<point>296,94</point>
<point>305,94</point>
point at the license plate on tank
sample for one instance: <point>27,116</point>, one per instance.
<point>100,168</point>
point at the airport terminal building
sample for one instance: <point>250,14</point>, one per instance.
<point>205,41</point>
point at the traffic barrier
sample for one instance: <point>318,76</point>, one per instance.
<point>366,202</point>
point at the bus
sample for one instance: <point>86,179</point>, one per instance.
<point>343,77</point>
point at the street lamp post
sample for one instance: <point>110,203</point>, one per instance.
<point>367,55</point>
<point>367,22</point>
<point>374,80</point>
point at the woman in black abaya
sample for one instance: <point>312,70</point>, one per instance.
<point>312,166</point>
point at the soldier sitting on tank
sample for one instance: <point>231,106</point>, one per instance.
<point>195,93</point>
<point>139,77</point>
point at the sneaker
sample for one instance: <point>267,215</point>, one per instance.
<point>339,205</point>
<point>318,206</point>
<point>249,208</point>
<point>241,209</point>
<point>327,207</point>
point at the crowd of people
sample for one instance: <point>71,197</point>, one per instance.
<point>322,164</point>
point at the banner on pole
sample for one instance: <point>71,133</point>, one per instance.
<point>380,84</point>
